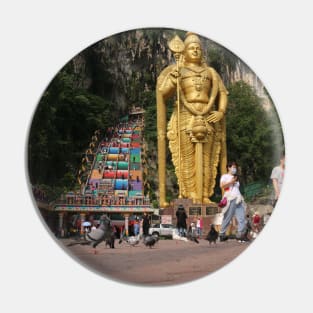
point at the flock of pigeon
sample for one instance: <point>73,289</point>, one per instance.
<point>105,233</point>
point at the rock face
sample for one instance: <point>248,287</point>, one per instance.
<point>124,69</point>
<point>126,65</point>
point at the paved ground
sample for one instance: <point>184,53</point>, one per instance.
<point>168,262</point>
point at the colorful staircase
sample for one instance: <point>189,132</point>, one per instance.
<point>116,175</point>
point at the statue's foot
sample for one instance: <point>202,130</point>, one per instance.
<point>207,201</point>
<point>196,201</point>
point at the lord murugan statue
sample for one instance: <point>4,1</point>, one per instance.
<point>196,130</point>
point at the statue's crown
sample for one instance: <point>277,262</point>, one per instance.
<point>191,38</point>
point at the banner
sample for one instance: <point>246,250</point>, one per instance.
<point>166,219</point>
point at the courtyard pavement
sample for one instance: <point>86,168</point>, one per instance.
<point>169,262</point>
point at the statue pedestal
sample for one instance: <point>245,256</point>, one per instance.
<point>194,209</point>
<point>208,212</point>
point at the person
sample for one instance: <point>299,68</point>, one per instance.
<point>131,228</point>
<point>114,230</point>
<point>248,226</point>
<point>196,130</point>
<point>136,228</point>
<point>199,225</point>
<point>277,177</point>
<point>229,183</point>
<point>145,224</point>
<point>181,220</point>
<point>266,218</point>
<point>192,228</point>
<point>122,232</point>
<point>256,220</point>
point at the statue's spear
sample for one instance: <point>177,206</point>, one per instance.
<point>177,46</point>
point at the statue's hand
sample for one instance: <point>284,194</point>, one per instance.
<point>171,135</point>
<point>174,75</point>
<point>215,116</point>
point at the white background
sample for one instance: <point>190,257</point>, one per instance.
<point>273,37</point>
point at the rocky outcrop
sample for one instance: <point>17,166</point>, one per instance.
<point>124,69</point>
<point>126,65</point>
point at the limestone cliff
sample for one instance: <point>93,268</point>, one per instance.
<point>124,68</point>
<point>127,64</point>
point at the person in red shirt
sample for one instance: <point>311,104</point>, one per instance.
<point>256,221</point>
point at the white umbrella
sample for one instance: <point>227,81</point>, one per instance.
<point>86,224</point>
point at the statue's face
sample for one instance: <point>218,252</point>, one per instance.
<point>193,53</point>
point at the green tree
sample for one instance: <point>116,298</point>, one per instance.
<point>65,120</point>
<point>249,133</point>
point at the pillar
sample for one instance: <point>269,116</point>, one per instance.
<point>141,229</point>
<point>126,224</point>
<point>60,224</point>
<point>82,220</point>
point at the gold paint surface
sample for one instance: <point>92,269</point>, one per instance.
<point>196,130</point>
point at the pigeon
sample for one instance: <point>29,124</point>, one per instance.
<point>212,235</point>
<point>103,233</point>
<point>132,240</point>
<point>177,237</point>
<point>150,240</point>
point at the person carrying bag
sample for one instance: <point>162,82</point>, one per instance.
<point>234,203</point>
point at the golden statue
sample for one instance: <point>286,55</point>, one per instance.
<point>196,130</point>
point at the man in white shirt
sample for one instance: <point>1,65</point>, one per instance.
<point>277,177</point>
